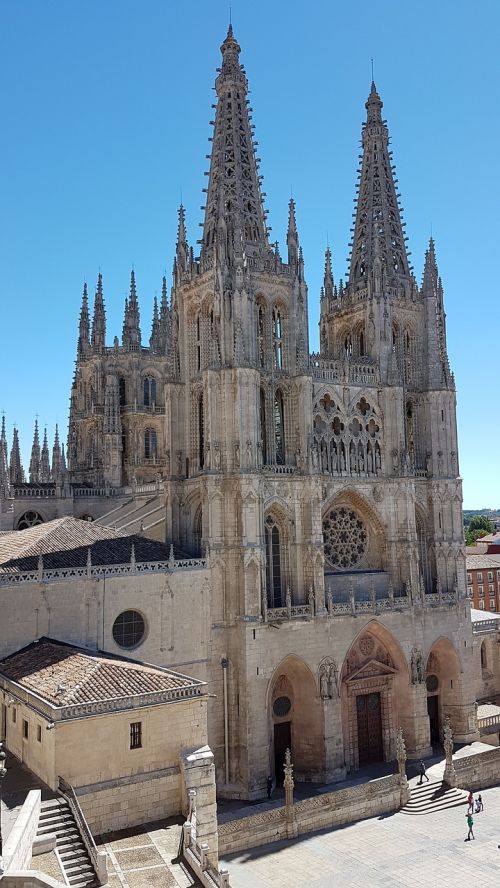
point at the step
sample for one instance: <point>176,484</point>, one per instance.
<point>69,843</point>
<point>53,805</point>
<point>64,817</point>
<point>78,866</point>
<point>84,883</point>
<point>57,827</point>
<point>70,854</point>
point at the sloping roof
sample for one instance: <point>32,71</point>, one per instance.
<point>480,616</point>
<point>63,675</point>
<point>65,542</point>
<point>482,562</point>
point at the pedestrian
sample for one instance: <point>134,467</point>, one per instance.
<point>470,802</point>
<point>269,784</point>
<point>470,824</point>
<point>423,773</point>
<point>479,804</point>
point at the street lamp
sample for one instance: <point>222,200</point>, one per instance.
<point>3,771</point>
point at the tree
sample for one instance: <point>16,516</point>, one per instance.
<point>479,526</point>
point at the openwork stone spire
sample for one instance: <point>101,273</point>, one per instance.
<point>328,286</point>
<point>378,238</point>
<point>16,470</point>
<point>99,319</point>
<point>35,457</point>
<point>292,237</point>
<point>234,213</point>
<point>432,292</point>
<point>4,461</point>
<point>56,457</point>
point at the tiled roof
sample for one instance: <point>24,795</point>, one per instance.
<point>482,562</point>
<point>480,616</point>
<point>65,542</point>
<point>63,675</point>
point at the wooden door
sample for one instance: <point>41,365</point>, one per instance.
<point>369,716</point>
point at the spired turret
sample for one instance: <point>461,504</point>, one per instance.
<point>84,326</point>
<point>45,460</point>
<point>437,364</point>
<point>4,462</point>
<point>131,324</point>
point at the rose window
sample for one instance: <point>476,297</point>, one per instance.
<point>345,538</point>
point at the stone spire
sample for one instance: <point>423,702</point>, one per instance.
<point>378,229</point>
<point>16,470</point>
<point>84,328</point>
<point>56,457</point>
<point>234,212</point>
<point>35,457</point>
<point>155,338</point>
<point>45,460</point>
<point>292,237</point>
<point>99,319</point>
<point>430,281</point>
<point>4,461</point>
<point>131,323</point>
<point>63,460</point>
<point>182,246</point>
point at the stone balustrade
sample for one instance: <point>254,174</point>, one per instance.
<point>98,572</point>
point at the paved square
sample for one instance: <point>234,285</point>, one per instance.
<point>394,851</point>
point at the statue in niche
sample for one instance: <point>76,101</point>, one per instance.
<point>333,680</point>
<point>395,461</point>
<point>217,457</point>
<point>352,459</point>
<point>328,679</point>
<point>314,454</point>
<point>323,684</point>
<point>416,666</point>
<point>237,454</point>
<point>342,457</point>
<point>249,453</point>
<point>208,456</point>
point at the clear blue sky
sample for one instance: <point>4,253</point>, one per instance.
<point>105,110</point>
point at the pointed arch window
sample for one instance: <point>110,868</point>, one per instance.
<point>122,393</point>
<point>277,339</point>
<point>201,433</point>
<point>197,532</point>
<point>260,335</point>
<point>149,391</point>
<point>279,428</point>
<point>274,570</point>
<point>150,444</point>
<point>263,426</point>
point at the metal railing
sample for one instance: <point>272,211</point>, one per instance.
<point>97,858</point>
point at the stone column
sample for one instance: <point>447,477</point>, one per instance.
<point>449,775</point>
<point>288,784</point>
<point>404,788</point>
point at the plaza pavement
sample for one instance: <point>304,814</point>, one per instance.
<point>392,851</point>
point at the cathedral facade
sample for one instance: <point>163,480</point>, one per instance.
<point>323,489</point>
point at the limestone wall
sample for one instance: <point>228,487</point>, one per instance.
<point>478,771</point>
<point>17,849</point>
<point>309,815</point>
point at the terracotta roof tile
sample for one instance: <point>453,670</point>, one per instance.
<point>63,675</point>
<point>482,562</point>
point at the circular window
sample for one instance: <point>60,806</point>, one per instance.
<point>282,706</point>
<point>344,537</point>
<point>29,519</point>
<point>128,629</point>
<point>432,683</point>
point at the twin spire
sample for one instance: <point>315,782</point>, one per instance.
<point>41,469</point>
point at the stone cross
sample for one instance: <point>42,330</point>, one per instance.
<point>288,782</point>
<point>404,787</point>
<point>449,775</point>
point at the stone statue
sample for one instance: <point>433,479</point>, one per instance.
<point>448,739</point>
<point>333,679</point>
<point>237,454</point>
<point>416,666</point>
<point>323,684</point>
<point>401,755</point>
<point>310,598</point>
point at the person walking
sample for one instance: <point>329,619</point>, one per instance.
<point>470,803</point>
<point>269,785</point>
<point>423,773</point>
<point>470,824</point>
<point>479,804</point>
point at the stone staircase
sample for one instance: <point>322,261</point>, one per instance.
<point>433,796</point>
<point>56,817</point>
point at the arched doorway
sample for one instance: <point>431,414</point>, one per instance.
<point>443,688</point>
<point>374,696</point>
<point>296,721</point>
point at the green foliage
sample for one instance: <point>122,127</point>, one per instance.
<point>480,522</point>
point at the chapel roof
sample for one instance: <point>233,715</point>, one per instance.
<point>63,675</point>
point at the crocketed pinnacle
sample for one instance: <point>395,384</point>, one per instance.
<point>378,227</point>
<point>234,213</point>
<point>16,470</point>
<point>132,323</point>
<point>45,460</point>
<point>430,281</point>
<point>328,286</point>
<point>4,461</point>
<point>99,319</point>
<point>56,457</point>
<point>34,470</point>
<point>292,237</point>
<point>84,326</point>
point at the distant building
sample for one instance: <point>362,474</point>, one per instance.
<point>483,581</point>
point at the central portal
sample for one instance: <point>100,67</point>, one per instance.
<point>282,742</point>
<point>369,717</point>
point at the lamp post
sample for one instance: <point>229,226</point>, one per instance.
<point>3,771</point>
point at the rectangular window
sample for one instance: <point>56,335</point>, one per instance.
<point>39,733</point>
<point>492,604</point>
<point>469,579</point>
<point>136,735</point>
<point>14,715</point>
<point>491,587</point>
<point>481,605</point>
<point>480,576</point>
<point>25,729</point>
<point>480,590</point>
<point>498,575</point>
<point>490,576</point>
